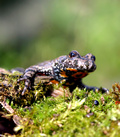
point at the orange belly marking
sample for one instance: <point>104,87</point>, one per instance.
<point>63,74</point>
<point>80,74</point>
<point>54,81</point>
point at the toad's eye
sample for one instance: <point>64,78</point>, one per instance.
<point>93,58</point>
<point>74,54</point>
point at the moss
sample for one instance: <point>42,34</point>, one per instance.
<point>63,116</point>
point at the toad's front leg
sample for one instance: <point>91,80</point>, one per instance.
<point>89,88</point>
<point>103,90</point>
<point>28,77</point>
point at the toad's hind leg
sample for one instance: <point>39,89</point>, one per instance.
<point>28,77</point>
<point>27,84</point>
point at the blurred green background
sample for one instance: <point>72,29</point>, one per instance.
<point>34,31</point>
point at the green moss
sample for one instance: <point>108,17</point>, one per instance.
<point>75,115</point>
<point>60,117</point>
